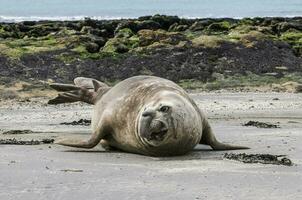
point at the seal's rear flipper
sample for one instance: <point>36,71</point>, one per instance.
<point>85,89</point>
<point>209,138</point>
<point>70,96</point>
<point>90,83</point>
<point>218,146</point>
<point>64,87</point>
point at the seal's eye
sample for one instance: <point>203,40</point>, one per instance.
<point>164,109</point>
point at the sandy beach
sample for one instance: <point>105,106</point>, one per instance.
<point>49,171</point>
<point>241,61</point>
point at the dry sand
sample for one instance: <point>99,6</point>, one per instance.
<point>50,171</point>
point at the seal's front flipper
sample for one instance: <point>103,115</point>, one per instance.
<point>95,138</point>
<point>209,138</point>
<point>78,143</point>
<point>85,89</point>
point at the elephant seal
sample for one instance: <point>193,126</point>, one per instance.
<point>143,114</point>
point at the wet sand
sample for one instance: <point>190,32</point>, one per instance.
<point>49,171</point>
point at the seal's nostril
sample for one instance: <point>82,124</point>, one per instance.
<point>162,125</point>
<point>148,113</point>
<point>145,114</point>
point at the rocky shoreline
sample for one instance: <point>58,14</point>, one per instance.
<point>183,50</point>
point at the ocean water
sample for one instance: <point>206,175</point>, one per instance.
<point>19,10</point>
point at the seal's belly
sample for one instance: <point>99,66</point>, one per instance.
<point>129,143</point>
<point>126,141</point>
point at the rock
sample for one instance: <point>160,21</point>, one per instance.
<point>148,24</point>
<point>284,26</point>
<point>89,22</point>
<point>148,37</point>
<point>7,28</point>
<point>123,41</point>
<point>73,25</point>
<point>29,23</point>
<point>292,86</point>
<point>86,29</point>
<point>121,48</point>
<point>116,45</point>
<point>42,30</point>
<point>5,35</point>
<point>110,27</point>
<point>247,21</point>
<point>200,25</point>
<point>176,27</point>
<point>105,33</point>
<point>281,68</point>
<point>219,26</point>
<point>142,18</point>
<point>265,30</point>
<point>129,24</point>
<point>86,39</point>
<point>274,74</point>
<point>10,31</point>
<point>124,33</point>
<point>92,47</point>
<point>135,26</point>
<point>8,94</point>
<point>293,38</point>
<point>99,41</point>
<point>95,31</point>
<point>23,28</point>
<point>210,41</point>
<point>252,38</point>
<point>186,55</point>
<point>165,21</point>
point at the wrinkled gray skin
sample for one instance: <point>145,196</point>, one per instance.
<point>143,114</point>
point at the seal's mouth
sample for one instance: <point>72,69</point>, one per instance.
<point>158,135</point>
<point>153,130</point>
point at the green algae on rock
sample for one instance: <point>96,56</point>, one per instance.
<point>168,46</point>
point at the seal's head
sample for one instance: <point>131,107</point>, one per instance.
<point>169,119</point>
<point>154,123</point>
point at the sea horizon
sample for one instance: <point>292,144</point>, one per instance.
<point>66,10</point>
